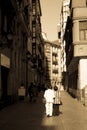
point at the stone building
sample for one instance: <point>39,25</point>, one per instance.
<point>76,49</point>
<point>65,12</point>
<point>52,62</point>
<point>21,46</point>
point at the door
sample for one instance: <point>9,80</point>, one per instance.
<point>4,78</point>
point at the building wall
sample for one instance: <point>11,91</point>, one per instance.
<point>65,12</point>
<point>56,63</point>
<point>21,66</point>
<point>47,49</point>
<point>52,63</point>
<point>63,20</point>
<point>76,47</point>
<point>79,3</point>
<point>80,42</point>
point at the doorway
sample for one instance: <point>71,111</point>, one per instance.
<point>4,78</point>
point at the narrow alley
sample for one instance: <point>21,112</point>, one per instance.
<point>31,116</point>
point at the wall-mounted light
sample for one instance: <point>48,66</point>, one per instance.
<point>10,36</point>
<point>6,39</point>
<point>28,55</point>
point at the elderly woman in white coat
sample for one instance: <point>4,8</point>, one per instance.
<point>49,96</point>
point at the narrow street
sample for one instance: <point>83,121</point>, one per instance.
<point>31,116</point>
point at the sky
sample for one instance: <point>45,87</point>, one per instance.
<point>50,17</point>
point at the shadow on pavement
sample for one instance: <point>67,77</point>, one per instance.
<point>28,116</point>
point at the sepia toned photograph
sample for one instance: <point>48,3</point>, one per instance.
<point>43,64</point>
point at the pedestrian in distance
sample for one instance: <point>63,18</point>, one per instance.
<point>34,92</point>
<point>49,96</point>
<point>30,92</point>
<point>56,101</point>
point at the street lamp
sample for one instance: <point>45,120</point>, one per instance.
<point>6,39</point>
<point>10,36</point>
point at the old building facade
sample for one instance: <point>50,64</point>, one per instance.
<point>52,62</point>
<point>65,12</point>
<point>75,48</point>
<point>21,46</point>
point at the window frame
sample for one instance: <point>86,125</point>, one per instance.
<point>83,30</point>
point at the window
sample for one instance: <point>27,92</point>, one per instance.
<point>34,40</point>
<point>82,35</point>
<point>34,8</point>
<point>34,31</point>
<point>34,48</point>
<point>83,30</point>
<point>86,34</point>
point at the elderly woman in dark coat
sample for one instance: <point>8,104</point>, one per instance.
<point>56,101</point>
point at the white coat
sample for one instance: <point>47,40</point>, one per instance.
<point>49,95</point>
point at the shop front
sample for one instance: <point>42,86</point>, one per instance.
<point>4,72</point>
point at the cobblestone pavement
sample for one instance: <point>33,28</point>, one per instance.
<point>31,116</point>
